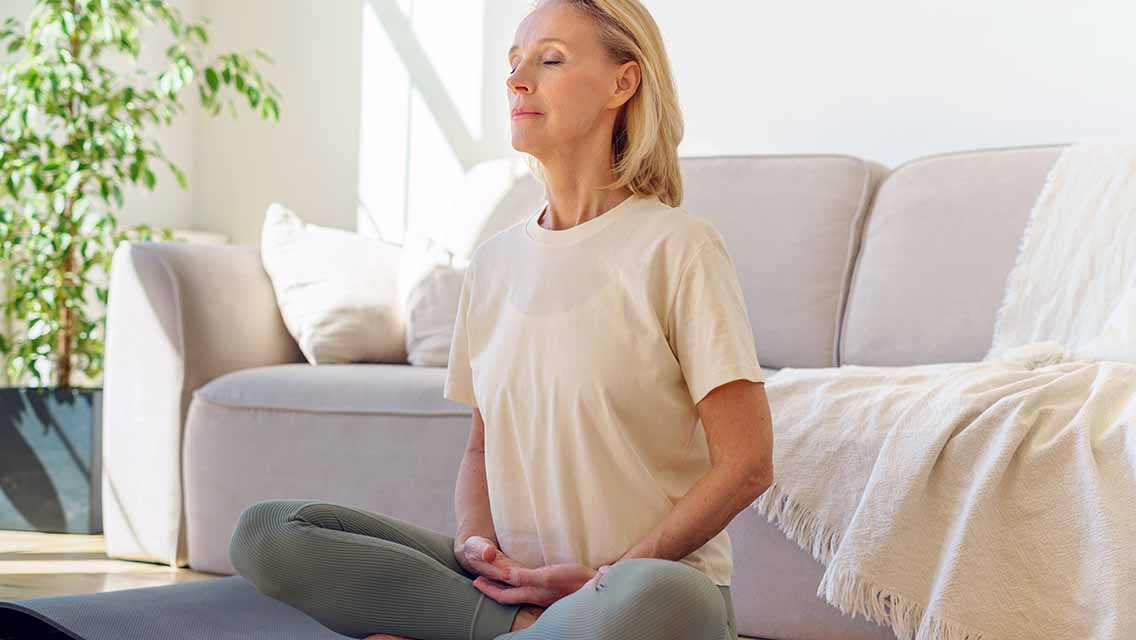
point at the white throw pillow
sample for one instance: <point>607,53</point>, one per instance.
<point>494,195</point>
<point>429,287</point>
<point>337,290</point>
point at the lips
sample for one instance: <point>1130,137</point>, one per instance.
<point>525,112</point>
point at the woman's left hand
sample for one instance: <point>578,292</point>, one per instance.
<point>541,586</point>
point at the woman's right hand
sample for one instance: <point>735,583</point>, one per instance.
<point>479,555</point>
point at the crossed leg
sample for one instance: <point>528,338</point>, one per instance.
<point>361,573</point>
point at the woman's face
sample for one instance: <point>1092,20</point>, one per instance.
<point>559,69</point>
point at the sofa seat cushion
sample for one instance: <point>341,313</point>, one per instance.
<point>334,388</point>
<point>338,388</point>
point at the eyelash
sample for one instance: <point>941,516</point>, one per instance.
<point>545,62</point>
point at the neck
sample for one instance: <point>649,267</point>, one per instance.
<point>592,206</point>
<point>573,177</point>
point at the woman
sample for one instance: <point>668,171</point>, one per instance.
<point>619,413</point>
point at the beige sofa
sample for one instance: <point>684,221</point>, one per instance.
<point>210,407</point>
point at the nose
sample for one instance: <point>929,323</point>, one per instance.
<point>516,83</point>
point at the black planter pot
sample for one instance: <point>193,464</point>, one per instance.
<point>51,459</point>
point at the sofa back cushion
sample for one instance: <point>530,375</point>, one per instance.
<point>937,246</point>
<point>790,224</point>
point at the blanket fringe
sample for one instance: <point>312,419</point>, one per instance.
<point>798,524</point>
<point>846,590</point>
<point>852,594</point>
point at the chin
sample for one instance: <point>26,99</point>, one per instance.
<point>525,145</point>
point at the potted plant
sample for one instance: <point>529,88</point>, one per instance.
<point>72,135</point>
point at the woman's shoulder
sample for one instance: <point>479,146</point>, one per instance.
<point>500,242</point>
<point>686,231</point>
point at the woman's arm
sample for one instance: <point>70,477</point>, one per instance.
<point>738,425</point>
<point>471,495</point>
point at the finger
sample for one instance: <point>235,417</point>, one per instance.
<point>484,545</point>
<point>503,559</point>
<point>514,595</point>
<point>529,595</point>
<point>494,587</point>
<point>523,576</point>
<point>475,547</point>
<point>492,570</point>
<point>484,587</point>
<point>491,581</point>
<point>490,587</point>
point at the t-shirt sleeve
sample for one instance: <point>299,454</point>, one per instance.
<point>459,374</point>
<point>708,325</point>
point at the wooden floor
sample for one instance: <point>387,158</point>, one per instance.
<point>33,565</point>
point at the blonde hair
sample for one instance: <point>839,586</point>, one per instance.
<point>649,126</point>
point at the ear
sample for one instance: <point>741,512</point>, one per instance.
<point>626,83</point>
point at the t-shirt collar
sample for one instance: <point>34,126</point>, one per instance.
<point>578,232</point>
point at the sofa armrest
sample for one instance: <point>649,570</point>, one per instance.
<point>178,315</point>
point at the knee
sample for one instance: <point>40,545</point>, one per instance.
<point>689,598</point>
<point>260,545</point>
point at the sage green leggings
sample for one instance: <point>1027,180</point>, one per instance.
<point>359,573</point>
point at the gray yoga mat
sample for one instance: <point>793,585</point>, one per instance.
<point>221,608</point>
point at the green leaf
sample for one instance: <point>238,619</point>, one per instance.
<point>178,174</point>
<point>68,22</point>
<point>68,159</point>
<point>272,109</point>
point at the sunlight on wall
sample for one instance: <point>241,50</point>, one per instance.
<point>451,33</point>
<point>421,111</point>
<point>384,114</point>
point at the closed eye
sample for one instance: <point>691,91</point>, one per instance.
<point>545,62</point>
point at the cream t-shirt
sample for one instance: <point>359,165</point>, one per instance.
<point>586,350</point>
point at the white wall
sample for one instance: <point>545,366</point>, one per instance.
<point>889,80</point>
<point>309,159</point>
<point>897,79</point>
<point>381,118</point>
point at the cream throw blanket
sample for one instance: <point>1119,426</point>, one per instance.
<point>993,499</point>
